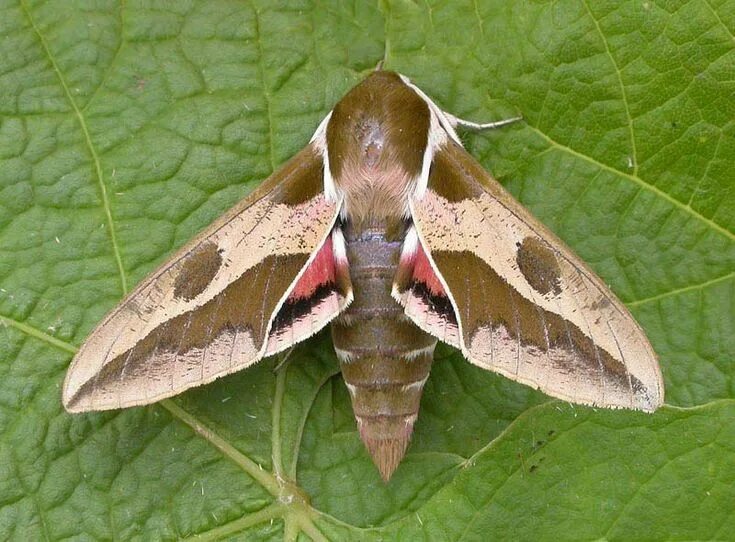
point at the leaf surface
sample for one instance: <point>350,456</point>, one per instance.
<point>125,128</point>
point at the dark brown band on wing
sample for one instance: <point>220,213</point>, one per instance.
<point>492,302</point>
<point>245,306</point>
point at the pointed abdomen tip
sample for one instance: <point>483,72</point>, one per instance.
<point>387,455</point>
<point>386,439</point>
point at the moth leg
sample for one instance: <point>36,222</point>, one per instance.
<point>468,124</point>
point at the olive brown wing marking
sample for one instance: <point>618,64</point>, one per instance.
<point>524,305</point>
<point>259,279</point>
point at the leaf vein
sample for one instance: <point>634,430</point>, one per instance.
<point>90,146</point>
<point>637,180</point>
<point>692,287</point>
<point>276,455</point>
<point>38,334</point>
<point>255,471</point>
<point>706,171</point>
<point>623,92</point>
<point>719,19</point>
<point>302,424</point>
<point>270,512</point>
<point>111,64</point>
<point>648,480</point>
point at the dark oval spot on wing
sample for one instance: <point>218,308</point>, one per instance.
<point>538,264</point>
<point>197,271</point>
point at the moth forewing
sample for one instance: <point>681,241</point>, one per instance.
<point>525,305</point>
<point>210,309</point>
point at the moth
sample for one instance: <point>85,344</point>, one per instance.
<point>385,228</point>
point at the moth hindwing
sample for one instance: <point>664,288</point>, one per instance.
<point>386,227</point>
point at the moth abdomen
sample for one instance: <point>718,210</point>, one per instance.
<point>385,389</point>
<point>385,358</point>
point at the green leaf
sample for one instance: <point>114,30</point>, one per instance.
<point>125,128</point>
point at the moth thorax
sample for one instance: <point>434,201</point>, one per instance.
<point>374,192</point>
<point>376,138</point>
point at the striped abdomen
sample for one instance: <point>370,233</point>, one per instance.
<point>384,357</point>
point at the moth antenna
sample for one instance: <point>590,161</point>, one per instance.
<point>469,125</point>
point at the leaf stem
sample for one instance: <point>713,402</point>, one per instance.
<point>270,512</point>
<point>276,452</point>
<point>264,478</point>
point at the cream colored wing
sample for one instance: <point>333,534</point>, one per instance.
<point>223,301</point>
<point>525,305</point>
